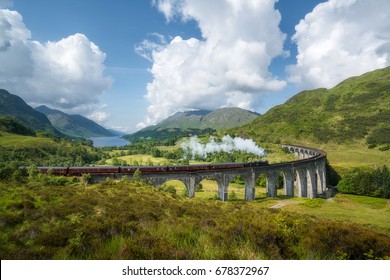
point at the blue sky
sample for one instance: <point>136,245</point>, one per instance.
<point>128,64</point>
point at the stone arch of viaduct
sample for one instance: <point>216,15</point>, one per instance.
<point>308,173</point>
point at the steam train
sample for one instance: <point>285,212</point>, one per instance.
<point>78,171</point>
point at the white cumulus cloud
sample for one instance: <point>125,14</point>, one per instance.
<point>339,39</point>
<point>67,74</point>
<point>99,117</point>
<point>228,66</point>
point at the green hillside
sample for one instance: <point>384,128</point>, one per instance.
<point>73,125</point>
<point>14,106</point>
<point>223,118</point>
<point>11,125</point>
<point>198,122</point>
<point>26,150</point>
<point>356,110</point>
<point>182,120</point>
<point>21,146</point>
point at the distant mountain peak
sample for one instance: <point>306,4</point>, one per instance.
<point>198,120</point>
<point>73,125</point>
<point>222,118</point>
<point>14,106</point>
<point>191,113</point>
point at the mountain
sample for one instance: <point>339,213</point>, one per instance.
<point>14,106</point>
<point>196,122</point>
<point>116,132</point>
<point>73,125</point>
<point>182,120</point>
<point>357,109</point>
<point>219,119</point>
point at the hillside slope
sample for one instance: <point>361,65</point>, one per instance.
<point>73,125</point>
<point>196,122</point>
<point>356,110</point>
<point>14,106</point>
<point>19,148</point>
<point>13,126</point>
<point>223,118</point>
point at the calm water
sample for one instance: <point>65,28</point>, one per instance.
<point>108,141</point>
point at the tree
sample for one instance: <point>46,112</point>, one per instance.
<point>125,178</point>
<point>115,161</point>
<point>382,179</point>
<point>199,187</point>
<point>233,196</point>
<point>137,176</point>
<point>86,178</point>
<point>386,182</point>
<point>366,181</point>
<point>79,161</point>
<point>33,171</point>
<point>156,153</point>
<point>169,189</point>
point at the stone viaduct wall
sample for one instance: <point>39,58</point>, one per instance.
<point>308,175</point>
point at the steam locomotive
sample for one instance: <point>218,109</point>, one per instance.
<point>78,171</point>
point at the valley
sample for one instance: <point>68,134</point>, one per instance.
<point>43,216</point>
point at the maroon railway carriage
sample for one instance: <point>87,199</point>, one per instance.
<point>189,168</point>
<point>78,171</point>
<point>233,165</point>
<point>228,165</point>
<point>143,169</point>
<point>54,170</point>
<point>256,163</point>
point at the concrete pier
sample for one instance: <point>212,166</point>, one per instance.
<point>307,175</point>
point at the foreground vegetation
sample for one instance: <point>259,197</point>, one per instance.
<point>47,217</point>
<point>131,220</point>
<point>370,212</point>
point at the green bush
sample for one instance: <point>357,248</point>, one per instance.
<point>366,181</point>
<point>169,189</point>
<point>384,148</point>
<point>379,136</point>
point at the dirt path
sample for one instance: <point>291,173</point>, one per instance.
<point>284,203</point>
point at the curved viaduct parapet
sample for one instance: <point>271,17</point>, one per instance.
<point>310,170</point>
<point>305,177</point>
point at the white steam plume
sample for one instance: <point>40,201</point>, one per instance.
<point>228,144</point>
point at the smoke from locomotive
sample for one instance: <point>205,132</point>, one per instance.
<point>228,144</point>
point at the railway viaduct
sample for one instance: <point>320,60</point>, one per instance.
<point>308,175</point>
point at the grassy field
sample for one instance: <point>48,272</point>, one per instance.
<point>347,156</point>
<point>373,213</point>
<point>210,190</point>
<point>370,212</point>
<point>141,160</point>
<point>129,220</point>
<point>20,141</point>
